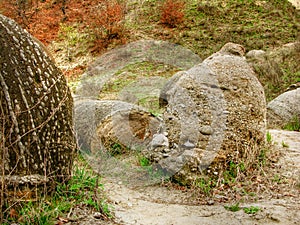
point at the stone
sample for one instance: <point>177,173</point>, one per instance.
<point>283,109</point>
<point>36,112</point>
<point>273,65</point>
<point>206,130</point>
<point>159,140</point>
<point>295,3</point>
<point>104,126</point>
<point>210,110</point>
<point>256,54</point>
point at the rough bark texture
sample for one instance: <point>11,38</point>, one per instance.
<point>37,140</point>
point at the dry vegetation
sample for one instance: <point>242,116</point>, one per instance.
<point>91,27</point>
<point>202,26</point>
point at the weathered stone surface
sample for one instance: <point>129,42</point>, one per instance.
<point>37,136</point>
<point>159,140</point>
<point>104,68</point>
<point>273,65</point>
<point>255,54</point>
<point>215,112</point>
<point>283,109</point>
<point>295,3</point>
<point>112,126</point>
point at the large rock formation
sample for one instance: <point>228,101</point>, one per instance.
<point>284,109</point>
<point>37,140</point>
<point>215,113</point>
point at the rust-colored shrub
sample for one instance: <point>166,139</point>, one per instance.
<point>40,18</point>
<point>172,13</point>
<point>106,20</point>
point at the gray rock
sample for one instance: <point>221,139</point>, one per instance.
<point>256,54</point>
<point>275,64</point>
<point>159,140</point>
<point>206,130</point>
<point>103,125</point>
<point>283,109</point>
<point>213,107</point>
<point>188,145</point>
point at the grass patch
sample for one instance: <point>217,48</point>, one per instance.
<point>83,191</point>
<point>236,207</point>
<point>208,25</point>
<point>233,208</point>
<point>132,73</point>
<point>205,185</point>
<point>143,161</point>
<point>251,209</point>
<point>293,125</point>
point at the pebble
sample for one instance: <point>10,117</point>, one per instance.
<point>97,215</point>
<point>206,130</point>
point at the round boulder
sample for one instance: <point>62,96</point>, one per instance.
<point>215,113</point>
<point>283,109</point>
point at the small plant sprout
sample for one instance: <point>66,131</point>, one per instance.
<point>236,207</point>
<point>143,161</point>
<point>284,145</point>
<point>233,208</point>
<point>277,179</point>
<point>293,124</point>
<point>251,209</point>
<point>269,138</point>
<point>205,185</point>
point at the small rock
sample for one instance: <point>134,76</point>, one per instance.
<point>210,202</point>
<point>159,140</point>
<point>188,145</point>
<point>97,215</point>
<point>255,54</point>
<point>206,130</point>
<point>166,150</point>
<point>165,155</point>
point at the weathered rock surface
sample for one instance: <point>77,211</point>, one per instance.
<point>112,126</point>
<point>37,139</point>
<point>104,68</point>
<point>215,112</point>
<point>284,108</point>
<point>295,3</point>
<point>273,65</point>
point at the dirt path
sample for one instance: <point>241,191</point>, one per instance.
<point>160,205</point>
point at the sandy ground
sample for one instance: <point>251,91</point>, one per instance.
<point>161,206</point>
